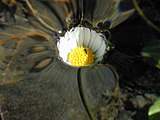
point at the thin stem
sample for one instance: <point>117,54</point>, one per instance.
<point>140,12</point>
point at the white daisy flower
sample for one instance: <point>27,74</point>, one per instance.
<point>81,46</point>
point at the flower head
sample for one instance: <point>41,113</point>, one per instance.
<point>81,46</point>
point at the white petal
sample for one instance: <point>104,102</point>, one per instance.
<point>81,36</point>
<point>63,55</point>
<point>101,50</point>
<point>77,35</point>
<point>66,36</point>
<point>70,39</point>
<point>93,35</point>
<point>63,47</point>
<point>62,43</point>
<point>72,43</point>
<point>97,43</point>
<point>63,52</point>
<point>86,37</point>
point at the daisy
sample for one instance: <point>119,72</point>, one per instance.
<point>82,46</point>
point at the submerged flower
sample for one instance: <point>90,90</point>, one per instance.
<point>82,47</point>
<point>51,52</point>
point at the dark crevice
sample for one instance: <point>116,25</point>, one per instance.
<point>81,92</point>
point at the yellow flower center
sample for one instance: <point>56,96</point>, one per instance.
<point>81,56</point>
